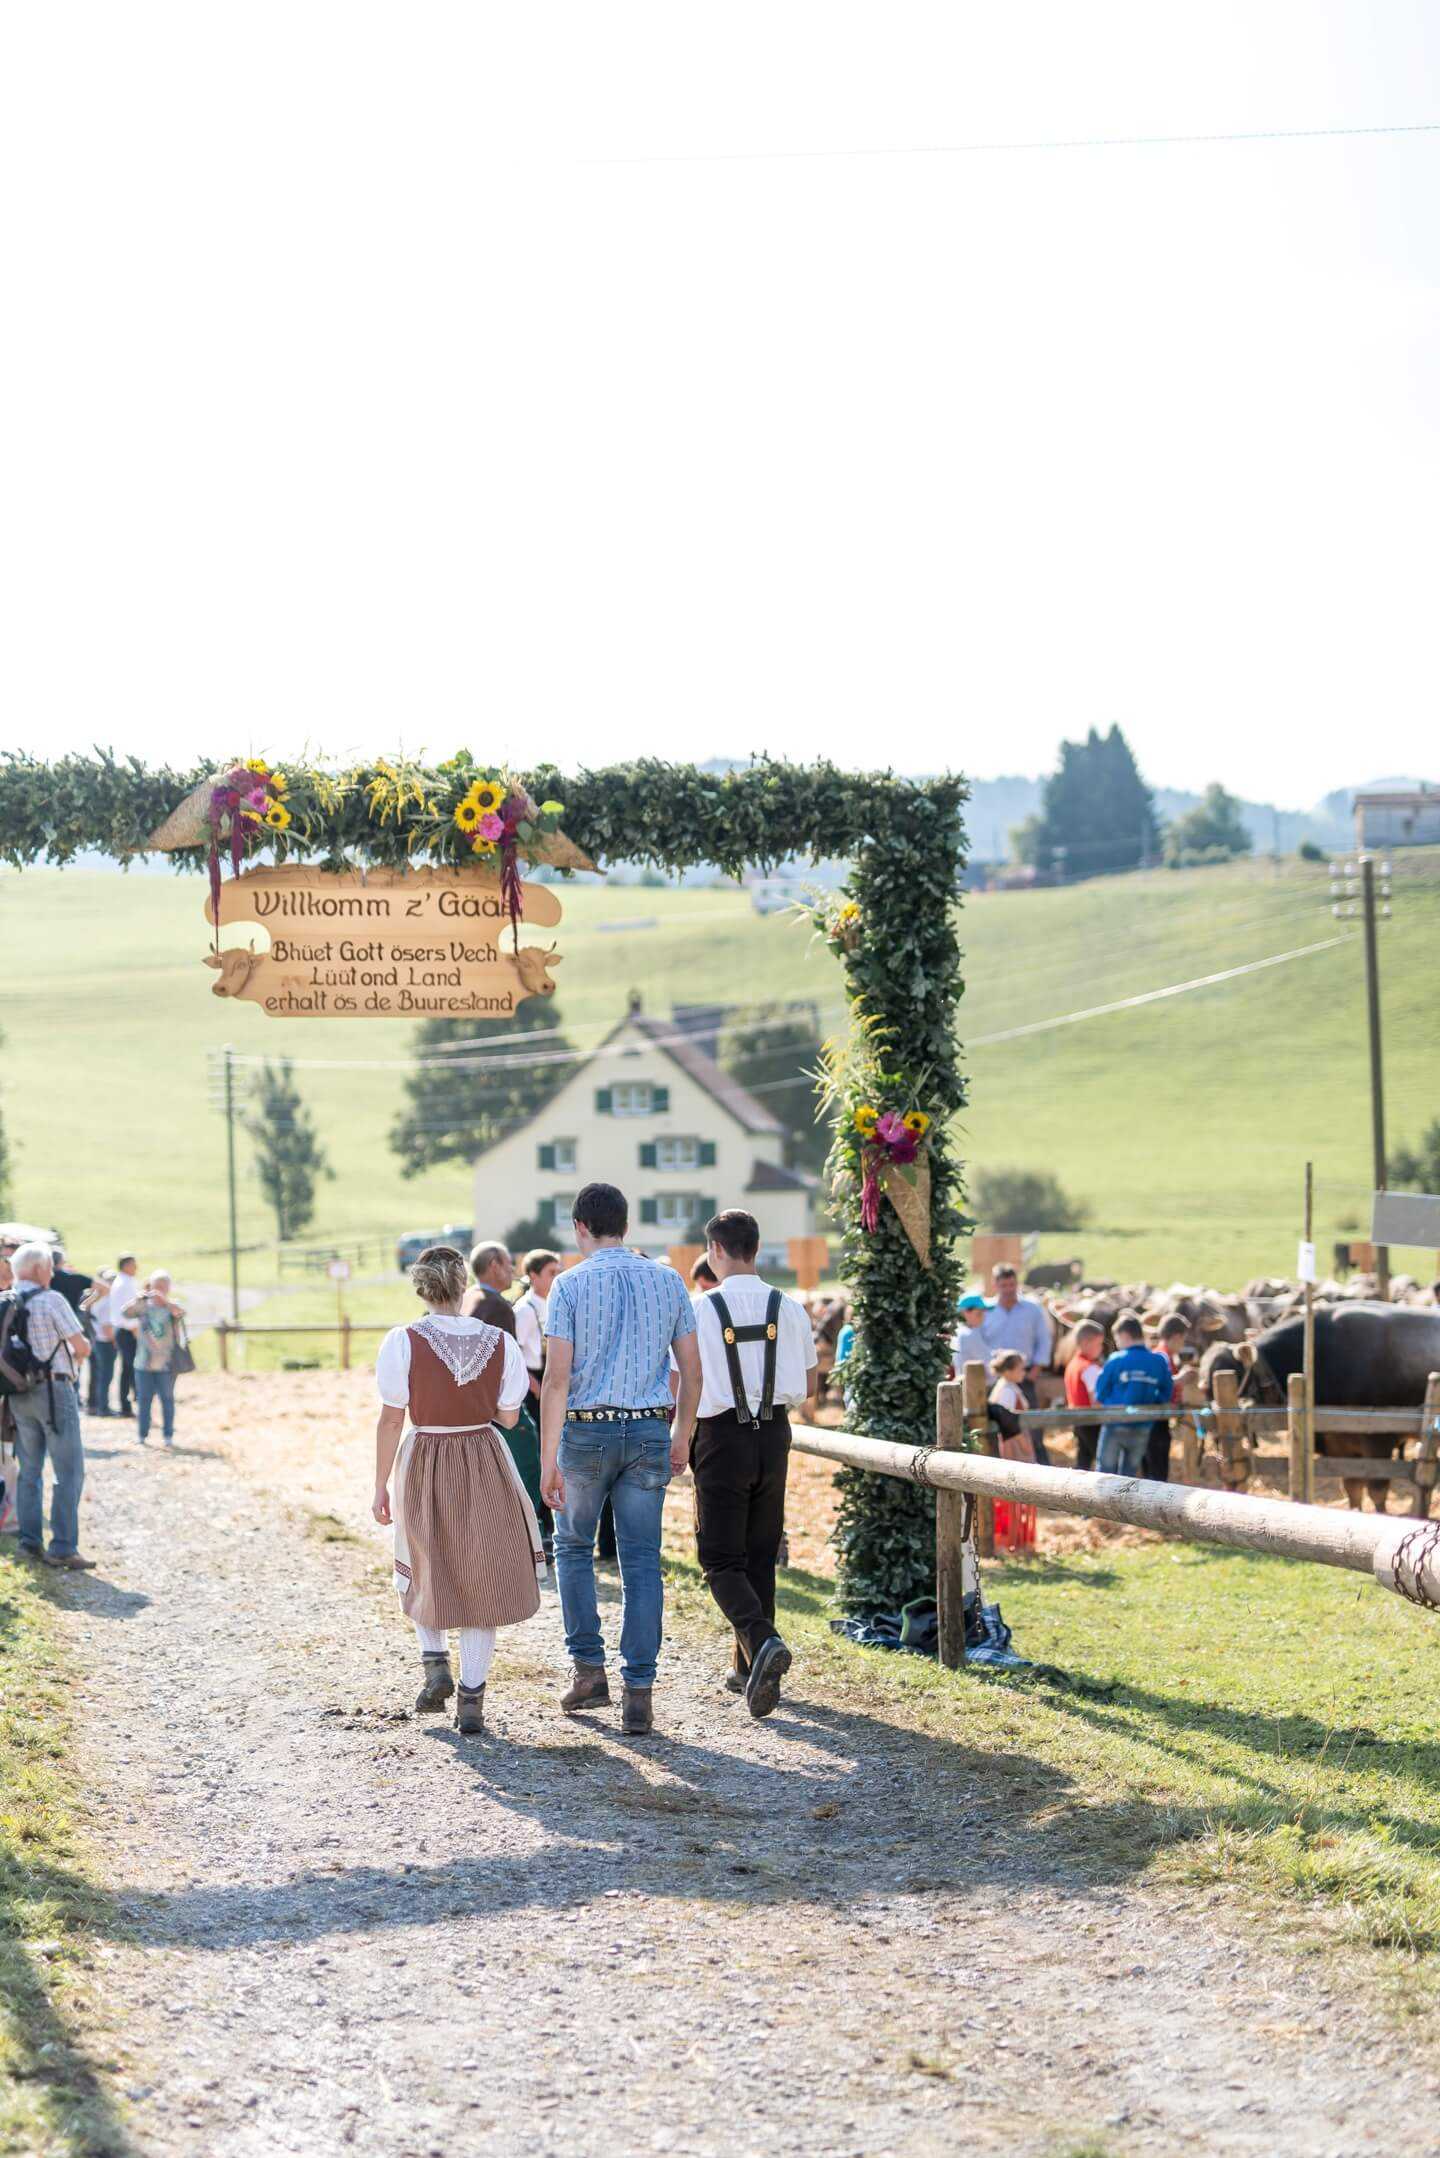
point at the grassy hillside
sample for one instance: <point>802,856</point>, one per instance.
<point>1184,1124</point>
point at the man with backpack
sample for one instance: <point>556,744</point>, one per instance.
<point>42,1346</point>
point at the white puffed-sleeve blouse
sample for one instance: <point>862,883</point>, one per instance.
<point>392,1365</point>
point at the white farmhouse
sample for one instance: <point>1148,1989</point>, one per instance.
<point>653,1112</point>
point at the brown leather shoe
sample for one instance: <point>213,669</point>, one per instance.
<point>438,1687</point>
<point>589,1688</point>
<point>72,1563</point>
<point>470,1711</point>
<point>636,1718</point>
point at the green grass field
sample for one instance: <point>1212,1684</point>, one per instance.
<point>1185,1124</point>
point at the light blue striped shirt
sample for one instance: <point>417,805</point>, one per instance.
<point>620,1313</point>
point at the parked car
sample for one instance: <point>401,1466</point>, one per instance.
<point>410,1246</point>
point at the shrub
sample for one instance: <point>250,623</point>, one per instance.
<point>1019,1199</point>
<point>1308,851</point>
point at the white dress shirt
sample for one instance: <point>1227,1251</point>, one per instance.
<point>124,1292</point>
<point>746,1297</point>
<point>392,1365</point>
<point>530,1328</point>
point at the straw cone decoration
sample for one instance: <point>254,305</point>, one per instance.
<point>908,1191</point>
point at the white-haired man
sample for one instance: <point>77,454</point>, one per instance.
<point>46,1410</point>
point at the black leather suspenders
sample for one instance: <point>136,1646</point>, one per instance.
<point>732,1335</point>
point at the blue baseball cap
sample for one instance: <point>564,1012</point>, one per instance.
<point>972,1302</point>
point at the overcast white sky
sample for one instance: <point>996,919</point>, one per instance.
<point>467,373</point>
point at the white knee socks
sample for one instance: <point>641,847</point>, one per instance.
<point>477,1647</point>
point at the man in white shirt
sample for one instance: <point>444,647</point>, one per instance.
<point>540,1269</point>
<point>757,1362</point>
<point>126,1330</point>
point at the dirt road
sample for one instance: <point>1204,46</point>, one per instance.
<point>346,1930</point>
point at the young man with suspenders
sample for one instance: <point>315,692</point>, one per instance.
<point>757,1361</point>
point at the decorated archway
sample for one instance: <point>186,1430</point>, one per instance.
<point>894,1085</point>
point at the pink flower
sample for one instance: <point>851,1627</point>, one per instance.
<point>490,826</point>
<point>891,1134</point>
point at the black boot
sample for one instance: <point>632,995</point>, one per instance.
<point>439,1683</point>
<point>470,1711</point>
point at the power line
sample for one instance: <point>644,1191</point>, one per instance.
<point>1206,140</point>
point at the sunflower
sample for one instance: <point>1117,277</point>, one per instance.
<point>866,1119</point>
<point>468,814</point>
<point>257,764</point>
<point>276,782</point>
<point>487,795</point>
<point>484,848</point>
<point>916,1123</point>
<point>277,816</point>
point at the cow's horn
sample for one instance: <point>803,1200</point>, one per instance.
<point>1245,1354</point>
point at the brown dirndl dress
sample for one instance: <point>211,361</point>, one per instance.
<point>467,1546</point>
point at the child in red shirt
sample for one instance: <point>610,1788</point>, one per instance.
<point>1081,1373</point>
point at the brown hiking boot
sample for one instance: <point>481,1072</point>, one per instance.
<point>636,1719</point>
<point>589,1688</point>
<point>438,1687</point>
<point>470,1711</point>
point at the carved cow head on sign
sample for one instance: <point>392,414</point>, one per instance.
<point>534,967</point>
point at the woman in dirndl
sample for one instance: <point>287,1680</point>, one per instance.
<point>467,1548</point>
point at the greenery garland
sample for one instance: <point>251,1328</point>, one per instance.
<point>897,945</point>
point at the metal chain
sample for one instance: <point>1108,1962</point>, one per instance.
<point>1415,1549</point>
<point>920,1466</point>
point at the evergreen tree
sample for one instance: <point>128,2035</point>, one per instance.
<point>1213,830</point>
<point>453,1113</point>
<point>773,1050</point>
<point>1096,815</point>
<point>289,1158</point>
<point>1418,1168</point>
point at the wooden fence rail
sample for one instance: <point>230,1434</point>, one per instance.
<point>226,1330</point>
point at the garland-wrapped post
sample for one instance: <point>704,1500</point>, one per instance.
<point>902,964</point>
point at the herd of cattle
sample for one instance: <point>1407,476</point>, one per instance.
<point>1368,1354</point>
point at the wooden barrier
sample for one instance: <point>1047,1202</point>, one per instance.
<point>981,1433</point>
<point>950,1508</point>
<point>226,1331</point>
<point>1400,1555</point>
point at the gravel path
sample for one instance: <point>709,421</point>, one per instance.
<point>354,1932</point>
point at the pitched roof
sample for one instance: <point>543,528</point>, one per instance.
<point>704,1070</point>
<point>769,1176</point>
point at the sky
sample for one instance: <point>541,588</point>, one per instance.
<point>592,381</point>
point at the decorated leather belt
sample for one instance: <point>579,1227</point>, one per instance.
<point>620,1416</point>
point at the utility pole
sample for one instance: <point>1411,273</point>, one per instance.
<point>230,1164</point>
<point>1371,913</point>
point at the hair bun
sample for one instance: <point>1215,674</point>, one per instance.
<point>438,1275</point>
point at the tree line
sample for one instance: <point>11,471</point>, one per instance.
<point>1097,818</point>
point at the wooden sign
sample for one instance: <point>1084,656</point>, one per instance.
<point>380,943</point>
<point>809,1257</point>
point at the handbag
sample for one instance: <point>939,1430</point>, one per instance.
<point>182,1356</point>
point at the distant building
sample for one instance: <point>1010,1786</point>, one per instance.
<point>1398,820</point>
<point>653,1112</point>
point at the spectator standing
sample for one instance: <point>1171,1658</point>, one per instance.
<point>158,1319</point>
<point>540,1269</point>
<point>47,1418</point>
<point>102,1342</point>
<point>1171,1344</point>
<point>608,1429</point>
<point>1134,1377</point>
<point>1014,1524</point>
<point>1018,1322</point>
<point>969,1345</point>
<point>494,1272</point>
<point>1081,1375</point>
<point>757,1362</point>
<point>122,1295</point>
<point>702,1278</point>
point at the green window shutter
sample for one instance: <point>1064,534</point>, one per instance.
<point>708,1209</point>
<point>603,1099</point>
<point>707,1153</point>
<point>547,1213</point>
<point>648,1154</point>
<point>547,1157</point>
<point>649,1211</point>
<point>660,1100</point>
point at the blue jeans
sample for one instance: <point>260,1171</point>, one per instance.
<point>629,1464</point>
<point>150,1387</point>
<point>38,1433</point>
<point>102,1366</point>
<point>1121,1451</point>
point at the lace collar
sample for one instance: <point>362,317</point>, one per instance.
<point>463,1355</point>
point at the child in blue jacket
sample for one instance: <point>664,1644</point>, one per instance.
<point>1134,1377</point>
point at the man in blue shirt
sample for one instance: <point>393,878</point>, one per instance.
<point>1134,1377</point>
<point>1018,1322</point>
<point>608,1430</point>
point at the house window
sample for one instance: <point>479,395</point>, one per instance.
<point>558,1156</point>
<point>678,1209</point>
<point>632,1097</point>
<point>558,1213</point>
<point>677,1154</point>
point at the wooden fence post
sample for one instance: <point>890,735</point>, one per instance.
<point>344,1341</point>
<point>222,1329</point>
<point>1230,1431</point>
<point>976,1396</point>
<point>1298,1425</point>
<point>949,1533</point>
<point>1427,1458</point>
